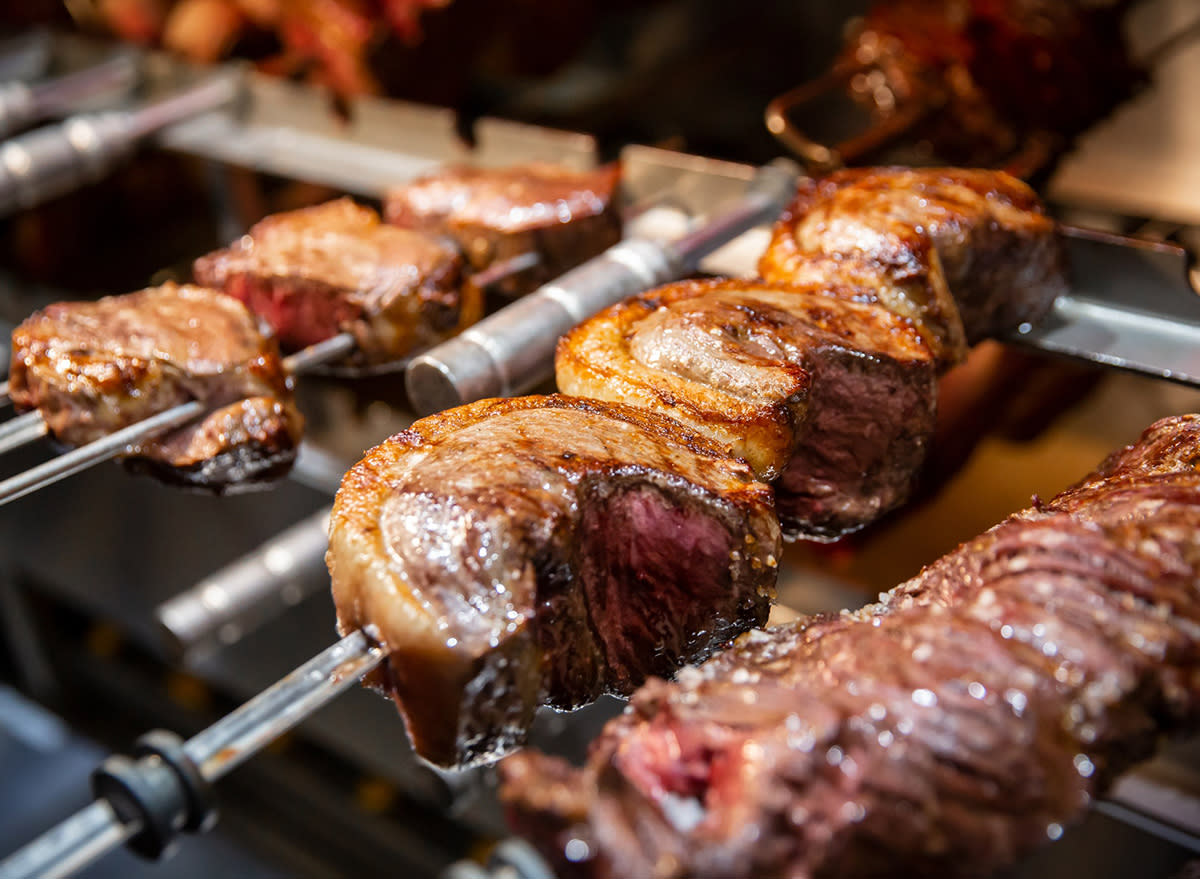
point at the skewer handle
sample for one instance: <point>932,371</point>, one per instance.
<point>513,350</point>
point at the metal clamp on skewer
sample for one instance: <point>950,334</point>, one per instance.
<point>56,159</point>
<point>513,350</point>
<point>149,801</point>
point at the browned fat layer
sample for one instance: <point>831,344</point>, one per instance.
<point>831,398</point>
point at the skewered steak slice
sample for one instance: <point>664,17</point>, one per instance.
<point>566,217</point>
<point>543,551</point>
<point>964,254</point>
<point>315,272</point>
<point>831,398</point>
<point>945,731</point>
<point>91,368</point>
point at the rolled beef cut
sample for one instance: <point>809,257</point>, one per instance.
<point>543,551</point>
<point>316,272</point>
<point>964,254</point>
<point>959,723</point>
<point>832,399</point>
<point>92,368</point>
<point>564,216</point>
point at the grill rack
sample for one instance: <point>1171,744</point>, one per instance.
<point>287,131</point>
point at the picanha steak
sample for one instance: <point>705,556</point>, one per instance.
<point>315,272</point>
<point>92,368</point>
<point>543,551</point>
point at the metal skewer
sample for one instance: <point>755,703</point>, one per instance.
<point>210,754</point>
<point>118,442</point>
<point>4,393</point>
<point>23,429</point>
<point>23,104</point>
<point>101,450</point>
<point>56,159</point>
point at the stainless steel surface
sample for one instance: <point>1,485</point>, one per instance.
<point>20,430</point>
<point>513,350</point>
<point>102,449</point>
<point>291,131</point>
<point>96,829</point>
<point>239,598</point>
<point>57,159</point>
<point>1164,795</point>
<point>71,846</point>
<point>22,104</point>
<point>1131,306</point>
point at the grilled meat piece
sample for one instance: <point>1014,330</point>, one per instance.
<point>831,398</point>
<point>964,254</point>
<point>944,731</point>
<point>315,272</point>
<point>565,217</point>
<point>543,551</point>
<point>91,368</point>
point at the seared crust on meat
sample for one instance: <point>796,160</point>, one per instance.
<point>318,271</point>
<point>800,382</point>
<point>502,551</point>
<point>965,254</point>
<point>947,730</point>
<point>92,368</point>
<point>563,215</point>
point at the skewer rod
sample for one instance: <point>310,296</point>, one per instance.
<point>332,348</point>
<point>4,398</point>
<point>240,734</point>
<point>97,829</point>
<point>21,430</point>
<point>70,846</point>
<point>102,449</point>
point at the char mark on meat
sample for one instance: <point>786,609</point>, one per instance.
<point>92,368</point>
<point>565,217</point>
<point>316,272</point>
<point>831,398</point>
<point>543,551</point>
<point>946,730</point>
